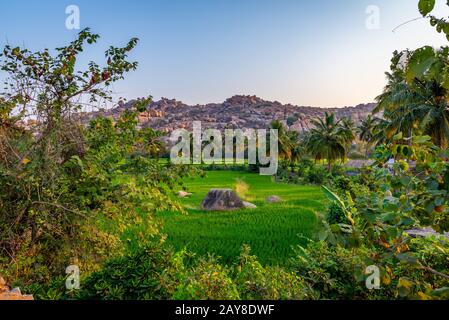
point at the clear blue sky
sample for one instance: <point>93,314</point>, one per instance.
<point>316,53</point>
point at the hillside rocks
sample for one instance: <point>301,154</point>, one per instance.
<point>14,294</point>
<point>236,112</point>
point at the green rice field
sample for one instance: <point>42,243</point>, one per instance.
<point>271,230</point>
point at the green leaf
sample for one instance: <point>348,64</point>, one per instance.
<point>333,197</point>
<point>398,136</point>
<point>426,6</point>
<point>420,62</point>
<point>421,139</point>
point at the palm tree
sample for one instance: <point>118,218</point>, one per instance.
<point>368,131</point>
<point>328,140</point>
<point>285,145</point>
<point>414,105</point>
<point>297,149</point>
<point>347,131</point>
<point>434,112</point>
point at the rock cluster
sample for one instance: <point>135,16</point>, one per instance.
<point>236,112</point>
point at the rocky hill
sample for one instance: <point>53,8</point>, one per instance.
<point>236,112</point>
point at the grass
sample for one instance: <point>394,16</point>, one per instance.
<point>271,230</point>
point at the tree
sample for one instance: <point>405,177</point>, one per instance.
<point>285,145</point>
<point>41,167</point>
<point>416,103</point>
<point>297,149</point>
<point>367,131</point>
<point>328,139</point>
<point>347,131</point>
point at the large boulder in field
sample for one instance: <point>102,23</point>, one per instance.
<point>222,200</point>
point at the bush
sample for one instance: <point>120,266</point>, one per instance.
<point>267,283</point>
<point>316,175</point>
<point>208,280</point>
<point>140,275</point>
<point>330,271</point>
<point>335,214</point>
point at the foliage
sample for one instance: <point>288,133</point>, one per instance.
<point>377,222</point>
<point>137,275</point>
<point>415,101</point>
<point>70,194</point>
<point>285,144</point>
<point>156,272</point>
<point>330,139</point>
<point>367,131</point>
<point>335,214</point>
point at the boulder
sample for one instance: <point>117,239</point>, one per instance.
<point>274,199</point>
<point>222,200</point>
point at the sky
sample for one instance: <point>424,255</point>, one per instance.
<point>312,53</point>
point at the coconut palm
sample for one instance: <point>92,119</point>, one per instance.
<point>414,105</point>
<point>327,140</point>
<point>297,149</point>
<point>433,112</point>
<point>285,145</point>
<point>368,131</point>
<point>347,131</point>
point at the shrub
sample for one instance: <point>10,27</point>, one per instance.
<point>335,214</point>
<point>330,271</point>
<point>207,280</point>
<point>138,275</point>
<point>316,175</point>
<point>266,283</point>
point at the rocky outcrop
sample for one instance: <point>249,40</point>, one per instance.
<point>236,112</point>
